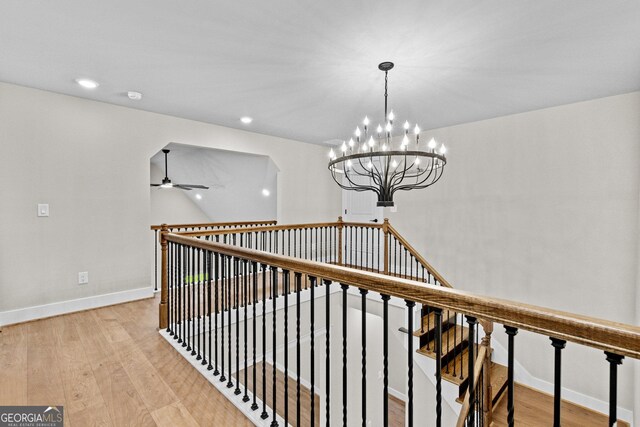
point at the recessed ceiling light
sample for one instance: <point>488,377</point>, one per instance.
<point>246,120</point>
<point>199,196</point>
<point>87,83</point>
<point>265,192</point>
<point>134,96</point>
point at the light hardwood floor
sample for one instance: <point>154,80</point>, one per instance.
<point>108,367</point>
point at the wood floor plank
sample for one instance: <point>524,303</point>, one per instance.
<point>84,404</point>
<point>173,415</point>
<point>13,365</point>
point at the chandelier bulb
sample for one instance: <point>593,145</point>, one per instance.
<point>417,161</point>
<point>351,142</point>
<point>371,142</point>
<point>370,165</point>
<point>364,147</point>
<point>406,125</point>
<point>443,149</point>
<point>391,116</point>
<point>332,154</point>
<point>384,147</point>
<point>432,144</point>
<point>388,127</point>
<point>405,140</point>
<point>358,131</point>
<point>366,121</point>
<point>344,147</point>
<point>394,164</point>
<point>416,130</point>
<point>379,129</point>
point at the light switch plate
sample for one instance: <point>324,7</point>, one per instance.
<point>83,278</point>
<point>43,209</point>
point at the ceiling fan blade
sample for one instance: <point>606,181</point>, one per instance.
<point>193,186</point>
<point>156,185</point>
<point>182,187</point>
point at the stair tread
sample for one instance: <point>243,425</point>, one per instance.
<point>450,339</point>
<point>498,381</point>
<point>429,322</point>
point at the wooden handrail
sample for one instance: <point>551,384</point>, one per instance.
<point>419,257</point>
<point>215,224</point>
<point>277,228</point>
<point>480,365</point>
<point>605,335</point>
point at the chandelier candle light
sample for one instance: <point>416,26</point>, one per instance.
<point>376,161</point>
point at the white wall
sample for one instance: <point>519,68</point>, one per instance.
<point>90,162</point>
<point>541,207</point>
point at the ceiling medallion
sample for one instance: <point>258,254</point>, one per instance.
<point>383,163</point>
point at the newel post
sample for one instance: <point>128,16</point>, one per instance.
<point>340,227</point>
<point>486,372</point>
<point>385,230</point>
<point>164,290</point>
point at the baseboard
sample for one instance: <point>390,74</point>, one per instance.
<point>63,307</point>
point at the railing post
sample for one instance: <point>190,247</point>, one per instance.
<point>340,227</point>
<point>385,230</point>
<point>486,372</point>
<point>162,309</point>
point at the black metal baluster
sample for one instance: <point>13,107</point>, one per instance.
<point>614,360</point>
<point>327,303</point>
<point>511,332</point>
<point>363,293</point>
<point>344,353</point>
<point>254,277</point>
<point>245,277</point>
<point>198,291</point>
<point>385,359</point>
<point>558,345</point>
<point>206,306</point>
<point>410,306</point>
<point>236,297</point>
<point>230,290</point>
<point>169,286</point>
<point>274,279</point>
<point>188,335</point>
<point>264,415</point>
<point>286,278</point>
<point>180,328</point>
<point>192,288</point>
<point>298,284</point>
<point>471,321</point>
<point>312,373</point>
<point>438,324</point>
<point>216,310</point>
<point>223,304</point>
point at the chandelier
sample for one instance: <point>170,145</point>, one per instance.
<point>383,163</point>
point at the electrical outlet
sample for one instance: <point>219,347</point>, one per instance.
<point>83,278</point>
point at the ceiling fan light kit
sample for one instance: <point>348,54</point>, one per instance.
<point>166,182</point>
<point>377,162</point>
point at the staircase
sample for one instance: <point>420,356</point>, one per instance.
<point>455,352</point>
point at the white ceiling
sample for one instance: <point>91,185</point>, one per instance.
<point>308,70</point>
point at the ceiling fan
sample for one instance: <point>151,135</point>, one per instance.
<point>166,182</point>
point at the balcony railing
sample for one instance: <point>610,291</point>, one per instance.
<point>232,298</point>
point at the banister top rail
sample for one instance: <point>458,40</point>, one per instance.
<point>419,257</point>
<point>605,335</point>
<point>216,224</point>
<point>277,228</point>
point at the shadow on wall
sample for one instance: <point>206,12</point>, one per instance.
<point>242,187</point>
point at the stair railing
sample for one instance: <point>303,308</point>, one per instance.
<point>193,227</point>
<point>207,282</point>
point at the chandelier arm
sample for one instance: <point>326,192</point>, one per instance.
<point>369,173</point>
<point>420,183</point>
<point>357,187</point>
<point>435,179</point>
